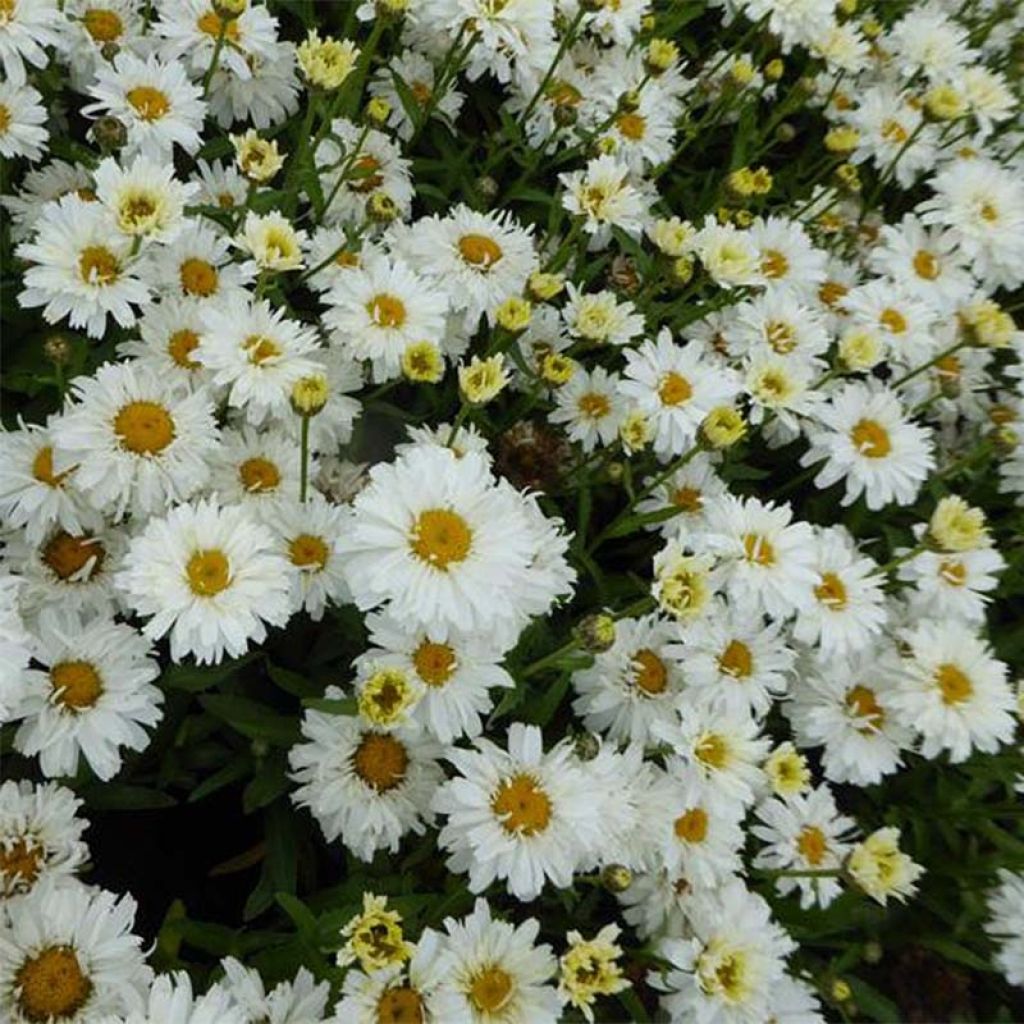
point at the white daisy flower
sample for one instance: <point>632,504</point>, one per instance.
<point>27,28</point>
<point>881,869</point>
<point>603,196</point>
<point>90,25</point>
<point>634,684</point>
<point>170,332</point>
<point>591,407</point>
<point>22,117</point>
<point>497,972</point>
<point>171,1001</point>
<point>41,186</point>
<point>256,468</point>
<point>268,96</point>
<point>197,266</point>
<point>364,787</point>
<point>40,836</point>
<point>420,79</point>
<point>656,903</point>
<point>689,489</point>
<point>15,647</point>
<point>789,261</point>
<point>300,1001</point>
<point>953,692</point>
<point>600,318</point>
<point>79,269</point>
<point>220,184</point>
<point>133,442</point>
<point>777,325</point>
<point>906,323</point>
<point>68,954</point>
<point>846,706</point>
<point>210,577</point>
<point>379,309</point>
<point>1005,925</point>
<point>866,440</point>
<point>805,832</point>
<point>92,696</point>
<point>729,255</point>
<point>522,817</point>
<point>955,584</point>
<point>154,100</point>
<point>457,674</point>
<point>145,200</point>
<point>675,387</point>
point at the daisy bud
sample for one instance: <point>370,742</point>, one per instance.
<point>587,746</point>
<point>881,869</point>
<point>661,55</point>
<point>228,9</point>
<point>616,878</point>
<point>57,349</point>
<point>482,379</point>
<point>629,101</point>
<point>381,208</point>
<point>682,270</point>
<point>590,969</point>
<point>258,159</point>
<point>841,990</point>
<point>774,70</point>
<point>109,133</point>
<point>787,770</point>
<point>848,177</point>
<point>423,363</point>
<point>647,23</point>
<point>741,72</point>
<point>945,103</point>
<point>785,132</point>
<point>957,526</point>
<point>871,28</point>
<point>556,369</point>
<point>872,952</point>
<point>843,139</point>
<point>860,349</point>
<point>327,62</point>
<point>595,633</point>
<point>743,218</point>
<point>514,314</point>
<point>378,110</point>
<point>544,287</point>
<point>565,115</point>
<point>1005,439</point>
<point>614,472</point>
<point>635,431</point>
<point>847,7</point>
<point>722,428</point>
<point>607,145</point>
<point>386,696</point>
<point>309,394</point>
<point>109,50</point>
<point>671,235</point>
<point>392,8</point>
<point>487,187</point>
<point>374,938</point>
<point>682,584</point>
<point>272,242</point>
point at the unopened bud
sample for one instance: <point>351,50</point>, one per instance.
<point>57,349</point>
<point>109,133</point>
<point>595,633</point>
<point>587,746</point>
<point>309,394</point>
<point>616,878</point>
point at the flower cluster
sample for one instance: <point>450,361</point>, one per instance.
<point>565,457</point>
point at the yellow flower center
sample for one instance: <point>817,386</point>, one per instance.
<point>180,345</point>
<point>893,131</point>
<point>758,549</point>
<point>213,25</point>
<point>712,750</point>
<point>491,989</point>
<point>594,405</point>
<point>893,320</point>
<point>258,475</point>
<point>632,125</point>
<point>736,660</point>
<point>42,468</point>
<point>67,555</point>
<point>926,265</point>
<point>862,701</point>
<point>692,826</point>
<point>421,92</point>
<point>522,806</point>
<point>380,761</point>
<point>774,264</point>
<point>198,277</point>
<point>832,292</point>
<point>51,985</point>
<point>5,119</point>
<point>386,310</point>
<point>674,389</point>
<point>76,684</point>
<point>400,1005</point>
<point>479,251</point>
<point>954,573</point>
<point>261,349</point>
<point>563,94</point>
<point>103,25</point>
<point>20,863</point>
<point>149,103</point>
<point>956,687</point>
<point>831,592</point>
<point>781,337</point>
<point>145,428</point>
<point>434,663</point>
<point>812,845</point>
<point>688,499</point>
<point>871,439</point>
<point>441,537</point>
<point>208,572</point>
<point>98,265</point>
<point>308,550</point>
<point>989,212</point>
<point>651,677</point>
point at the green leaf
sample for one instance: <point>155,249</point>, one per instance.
<point>270,782</point>
<point>252,719</point>
<point>234,770</point>
<point>195,678</point>
<point>294,683</point>
<point>120,796</point>
<point>332,705</point>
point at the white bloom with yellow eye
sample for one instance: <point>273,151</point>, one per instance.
<point>689,490</point>
<point>22,117</point>
<point>905,322</point>
<point>273,242</point>
<point>134,442</point>
<point>208,576</point>
<point>365,787</point>
<point>604,197</point>
<point>955,584</point>
<point>171,1001</point>
<point>29,26</point>
<point>92,695</point>
<point>79,269</point>
<point>145,200</point>
<point>288,1002</point>
<point>728,255</point>
<point>881,869</point>
<point>169,335</point>
<point>155,101</point>
<point>590,406</point>
<point>256,468</point>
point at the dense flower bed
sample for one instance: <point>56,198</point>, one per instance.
<point>511,511</point>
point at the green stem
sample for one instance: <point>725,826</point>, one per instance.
<point>567,40</point>
<point>927,366</point>
<point>217,47</point>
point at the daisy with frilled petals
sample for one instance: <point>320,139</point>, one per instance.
<point>38,188</point>
<point>478,259</point>
<point>27,28</point>
<point>866,439</point>
<point>600,318</point>
<point>366,787</point>
<point>289,1002</point>
<point>521,816</point>
<point>591,407</point>
<point>953,692</point>
<point>40,836</point>
<point>33,495</point>
<point>789,260</point>
<point>92,696</point>
<point>210,577</point>
<point>196,266</point>
<point>80,269</point>
<point>422,80</point>
<point>155,101</point>
<point>68,954</point>
<point>848,607</point>
<point>256,468</point>
<point>603,196</point>
<point>171,1001</point>
<point>145,200</point>
<point>456,674</point>
<point>497,973</point>
<point>272,241</point>
<point>448,547</point>
<point>90,25</point>
<point>634,683</point>
<point>267,98</point>
<point>307,536</point>
<point>689,490</point>
<point>952,584</point>
<point>257,353</point>
<point>905,323</point>
<point>675,387</point>
<point>133,442</point>
<point>846,706</point>
<point>734,662</point>
<point>22,117</point>
<point>170,331</point>
<point>777,325</point>
<point>221,184</point>
<point>15,647</point>
<point>806,833</point>
<point>379,309</point>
